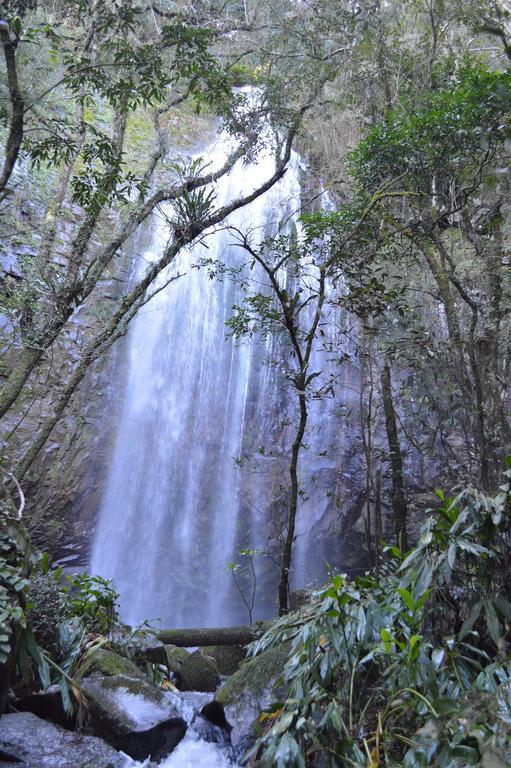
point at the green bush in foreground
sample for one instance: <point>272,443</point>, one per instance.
<point>408,668</point>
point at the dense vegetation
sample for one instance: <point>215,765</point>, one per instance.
<point>409,666</point>
<point>402,111</point>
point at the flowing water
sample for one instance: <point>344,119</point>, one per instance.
<point>193,751</point>
<point>202,445</point>
<point>202,441</point>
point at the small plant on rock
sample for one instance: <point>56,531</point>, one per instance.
<point>245,579</point>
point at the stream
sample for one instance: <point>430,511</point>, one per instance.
<point>194,751</point>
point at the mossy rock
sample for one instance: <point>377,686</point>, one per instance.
<point>107,663</point>
<point>175,658</point>
<point>132,715</point>
<point>299,599</point>
<point>143,645</point>
<point>252,689</point>
<point>192,671</point>
<point>256,675</point>
<point>228,658</point>
<point>199,673</point>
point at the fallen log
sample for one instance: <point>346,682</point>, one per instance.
<point>211,635</point>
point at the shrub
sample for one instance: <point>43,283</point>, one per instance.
<point>93,600</point>
<point>46,611</point>
<point>408,668</point>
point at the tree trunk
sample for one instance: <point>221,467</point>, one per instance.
<point>28,360</point>
<point>293,505</point>
<point>399,507</point>
<point>210,636</point>
<point>377,519</point>
<point>15,136</point>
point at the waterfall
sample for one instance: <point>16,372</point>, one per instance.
<point>178,502</point>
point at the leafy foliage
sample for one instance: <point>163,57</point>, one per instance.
<point>12,584</point>
<point>122,72</point>
<point>93,600</point>
<point>409,668</point>
<point>46,610</point>
<point>450,134</point>
<point>47,629</point>
<point>18,646</point>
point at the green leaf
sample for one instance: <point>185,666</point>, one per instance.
<point>414,640</point>
<point>471,619</point>
<point>492,621</point>
<point>338,582</point>
<point>406,597</point>
<point>451,555</point>
<point>475,549</point>
<point>504,606</point>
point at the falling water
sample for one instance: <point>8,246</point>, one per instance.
<point>169,520</point>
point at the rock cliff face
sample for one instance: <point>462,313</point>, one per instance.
<point>63,486</point>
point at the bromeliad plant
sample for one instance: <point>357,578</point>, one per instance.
<point>409,668</point>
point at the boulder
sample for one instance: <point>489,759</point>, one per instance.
<point>228,658</point>
<point>143,645</point>
<point>213,734</point>
<point>174,660</point>
<point>211,724</point>
<point>107,663</point>
<point>48,704</point>
<point>252,689</point>
<point>192,671</point>
<point>26,741</point>
<point>132,715</point>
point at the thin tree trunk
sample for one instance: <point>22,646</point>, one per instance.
<point>293,506</point>
<point>301,381</point>
<point>377,519</point>
<point>477,394</point>
<point>399,507</point>
<point>366,431</point>
<point>15,136</point>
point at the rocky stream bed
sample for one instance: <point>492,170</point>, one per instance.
<point>207,717</point>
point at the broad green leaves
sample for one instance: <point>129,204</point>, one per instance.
<point>381,673</point>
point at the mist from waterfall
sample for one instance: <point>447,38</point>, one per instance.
<point>178,504</point>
